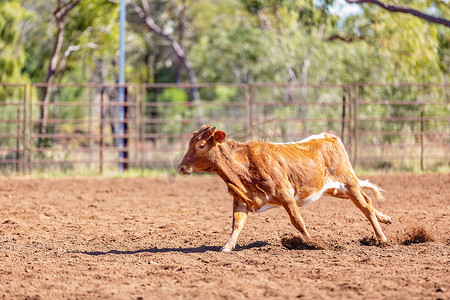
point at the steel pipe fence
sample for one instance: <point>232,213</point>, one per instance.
<point>81,130</point>
<point>170,113</point>
<point>74,127</point>
<point>13,135</point>
<point>291,112</point>
<point>403,126</point>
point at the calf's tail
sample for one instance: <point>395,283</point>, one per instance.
<point>375,189</point>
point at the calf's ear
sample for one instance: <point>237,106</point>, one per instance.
<point>220,136</point>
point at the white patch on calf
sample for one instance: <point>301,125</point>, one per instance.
<point>316,196</point>
<point>312,137</point>
<point>366,183</point>
<point>268,198</point>
<point>265,207</point>
<point>291,192</point>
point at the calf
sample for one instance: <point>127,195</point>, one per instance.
<point>262,175</point>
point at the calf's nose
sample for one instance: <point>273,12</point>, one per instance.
<point>182,169</point>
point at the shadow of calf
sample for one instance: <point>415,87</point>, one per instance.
<point>201,249</point>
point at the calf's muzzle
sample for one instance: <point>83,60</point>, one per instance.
<point>183,169</point>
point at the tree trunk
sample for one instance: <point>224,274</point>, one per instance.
<point>50,78</point>
<point>144,14</point>
<point>59,14</point>
<point>177,63</point>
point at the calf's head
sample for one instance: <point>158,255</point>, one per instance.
<point>203,151</point>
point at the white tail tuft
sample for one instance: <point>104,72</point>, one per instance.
<point>375,189</point>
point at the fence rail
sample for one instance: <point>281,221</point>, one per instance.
<point>402,126</point>
<point>13,138</point>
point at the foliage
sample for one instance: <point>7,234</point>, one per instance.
<point>12,54</point>
<point>91,36</point>
<point>237,41</point>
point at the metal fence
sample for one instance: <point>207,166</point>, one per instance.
<point>288,112</point>
<point>402,127</point>
<point>81,129</point>
<point>13,138</point>
<point>168,118</point>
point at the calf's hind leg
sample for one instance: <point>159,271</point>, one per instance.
<point>356,195</point>
<point>381,217</point>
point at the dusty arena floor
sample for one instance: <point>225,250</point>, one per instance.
<point>159,239</point>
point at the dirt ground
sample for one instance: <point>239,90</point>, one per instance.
<point>158,238</point>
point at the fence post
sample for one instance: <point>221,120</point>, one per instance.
<point>125,131</point>
<point>143,93</point>
<point>102,124</point>
<point>137,117</point>
<point>17,158</point>
<point>355,102</point>
<point>90,126</point>
<point>421,138</point>
<point>343,119</point>
<point>350,132</point>
<point>30,135</point>
<point>250,111</point>
<point>24,131</point>
<point>247,111</point>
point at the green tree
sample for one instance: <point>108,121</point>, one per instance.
<point>66,42</point>
<point>440,7</point>
<point>12,54</point>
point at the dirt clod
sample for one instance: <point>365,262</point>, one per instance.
<point>298,243</point>
<point>372,241</point>
<point>369,241</point>
<point>418,234</point>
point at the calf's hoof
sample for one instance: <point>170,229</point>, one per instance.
<point>226,248</point>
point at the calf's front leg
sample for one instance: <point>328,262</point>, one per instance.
<point>240,212</point>
<point>294,213</point>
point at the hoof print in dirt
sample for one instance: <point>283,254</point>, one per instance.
<point>417,235</point>
<point>297,243</point>
<point>371,241</point>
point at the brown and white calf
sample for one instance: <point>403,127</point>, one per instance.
<point>262,175</point>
